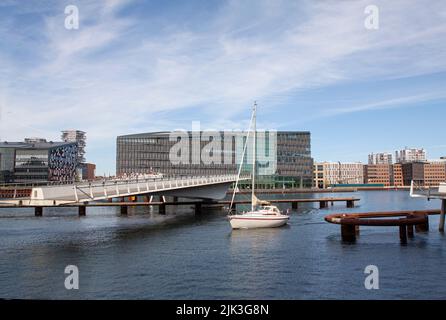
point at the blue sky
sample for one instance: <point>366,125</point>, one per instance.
<point>139,66</point>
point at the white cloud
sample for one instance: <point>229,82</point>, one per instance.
<point>118,74</point>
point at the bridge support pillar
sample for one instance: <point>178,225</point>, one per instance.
<point>322,204</point>
<point>162,209</point>
<point>82,211</point>
<point>198,208</point>
<point>38,211</point>
<point>403,234</point>
<point>124,210</point>
<point>442,215</point>
<point>348,232</point>
<point>350,204</point>
<point>294,205</point>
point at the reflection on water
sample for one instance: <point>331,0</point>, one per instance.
<point>180,255</point>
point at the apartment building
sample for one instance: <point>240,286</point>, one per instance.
<point>327,174</point>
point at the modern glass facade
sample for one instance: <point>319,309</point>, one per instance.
<point>31,165</point>
<point>7,158</point>
<point>143,153</point>
<point>37,162</point>
<point>282,160</point>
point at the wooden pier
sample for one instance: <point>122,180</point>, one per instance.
<point>132,202</point>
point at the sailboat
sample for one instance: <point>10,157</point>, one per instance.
<point>262,213</point>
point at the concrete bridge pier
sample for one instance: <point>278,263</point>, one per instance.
<point>124,210</point>
<point>198,208</point>
<point>162,209</point>
<point>294,205</point>
<point>82,211</point>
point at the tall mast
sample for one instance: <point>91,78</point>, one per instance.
<point>253,154</point>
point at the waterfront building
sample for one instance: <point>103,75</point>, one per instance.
<point>434,173</point>
<point>328,174</point>
<point>410,155</point>
<point>398,179</point>
<point>413,171</point>
<point>88,171</point>
<point>430,173</point>
<point>80,138</point>
<point>24,162</point>
<point>286,162</point>
<point>378,174</point>
<point>380,158</point>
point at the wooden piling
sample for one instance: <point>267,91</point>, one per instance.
<point>442,215</point>
<point>38,211</point>
<point>350,204</point>
<point>424,227</point>
<point>322,204</point>
<point>403,234</point>
<point>294,205</point>
<point>410,231</point>
<point>348,233</point>
<point>198,208</point>
<point>124,210</point>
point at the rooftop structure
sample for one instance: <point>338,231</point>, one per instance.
<point>80,138</point>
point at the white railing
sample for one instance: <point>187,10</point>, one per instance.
<point>128,187</point>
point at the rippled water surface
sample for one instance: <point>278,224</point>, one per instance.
<point>183,256</point>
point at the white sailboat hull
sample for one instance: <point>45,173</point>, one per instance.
<point>251,221</point>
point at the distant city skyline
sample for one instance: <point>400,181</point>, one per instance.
<point>135,66</point>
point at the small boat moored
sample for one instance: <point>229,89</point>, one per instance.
<point>262,217</point>
<point>262,214</point>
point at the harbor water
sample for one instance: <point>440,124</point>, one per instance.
<point>183,256</point>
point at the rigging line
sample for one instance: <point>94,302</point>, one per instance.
<point>241,163</point>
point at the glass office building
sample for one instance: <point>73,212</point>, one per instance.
<point>283,157</point>
<point>29,162</point>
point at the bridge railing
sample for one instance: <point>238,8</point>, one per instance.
<point>107,189</point>
<point>120,188</point>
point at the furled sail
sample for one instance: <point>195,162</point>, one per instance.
<point>256,201</point>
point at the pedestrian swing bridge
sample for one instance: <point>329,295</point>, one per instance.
<point>201,190</point>
<point>198,187</point>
